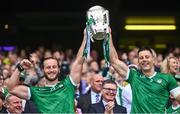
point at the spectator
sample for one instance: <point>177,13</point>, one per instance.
<point>1,79</point>
<point>47,53</point>
<point>2,98</point>
<point>13,104</point>
<point>13,57</point>
<point>29,107</point>
<point>170,66</point>
<point>93,96</point>
<point>124,92</point>
<point>108,103</point>
<point>93,66</point>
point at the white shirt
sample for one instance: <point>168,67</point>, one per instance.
<point>104,103</point>
<point>126,96</point>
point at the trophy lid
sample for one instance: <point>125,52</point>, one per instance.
<point>97,7</point>
<point>96,10</point>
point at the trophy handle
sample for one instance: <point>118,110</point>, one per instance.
<point>106,20</point>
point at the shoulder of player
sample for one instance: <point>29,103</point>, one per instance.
<point>164,76</point>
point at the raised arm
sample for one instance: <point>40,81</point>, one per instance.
<point>12,83</point>
<point>76,68</point>
<point>118,65</point>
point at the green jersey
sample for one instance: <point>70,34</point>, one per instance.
<point>5,91</point>
<point>173,110</point>
<point>150,95</point>
<point>56,99</point>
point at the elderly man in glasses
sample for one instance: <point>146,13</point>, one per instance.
<point>108,103</point>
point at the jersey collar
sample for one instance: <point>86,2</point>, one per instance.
<point>152,75</point>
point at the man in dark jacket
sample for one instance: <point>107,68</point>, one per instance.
<point>93,96</point>
<point>108,104</point>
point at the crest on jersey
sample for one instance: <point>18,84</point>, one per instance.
<point>159,80</point>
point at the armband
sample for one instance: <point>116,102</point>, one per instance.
<point>19,67</point>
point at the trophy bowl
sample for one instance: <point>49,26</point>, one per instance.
<point>99,35</point>
<point>98,21</point>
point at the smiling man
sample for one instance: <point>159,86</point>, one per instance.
<point>108,103</point>
<point>13,104</point>
<point>57,96</point>
<point>150,89</point>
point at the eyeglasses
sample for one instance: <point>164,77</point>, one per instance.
<point>110,90</point>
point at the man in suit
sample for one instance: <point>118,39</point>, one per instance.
<point>93,96</point>
<point>108,103</point>
<point>29,107</point>
<point>13,104</point>
<point>16,105</point>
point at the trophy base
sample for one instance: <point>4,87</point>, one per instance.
<point>99,36</point>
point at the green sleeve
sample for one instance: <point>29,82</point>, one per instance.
<point>172,83</point>
<point>67,82</point>
<point>132,75</point>
<point>5,91</point>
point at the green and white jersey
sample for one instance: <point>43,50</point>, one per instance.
<point>4,91</point>
<point>56,99</point>
<point>173,110</point>
<point>150,94</point>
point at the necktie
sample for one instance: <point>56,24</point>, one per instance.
<point>97,98</point>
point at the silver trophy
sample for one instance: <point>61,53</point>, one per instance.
<point>98,18</point>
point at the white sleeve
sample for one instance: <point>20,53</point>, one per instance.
<point>72,81</point>
<point>175,92</point>
<point>127,93</point>
<point>23,104</point>
<point>29,93</point>
<point>127,75</point>
<point>2,89</point>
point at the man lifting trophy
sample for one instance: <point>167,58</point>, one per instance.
<point>97,28</point>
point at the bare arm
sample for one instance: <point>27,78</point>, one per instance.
<point>13,81</point>
<point>76,68</point>
<point>20,91</point>
<point>118,65</point>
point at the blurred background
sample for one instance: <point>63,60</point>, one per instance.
<point>32,23</point>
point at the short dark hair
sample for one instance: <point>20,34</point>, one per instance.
<point>42,64</point>
<point>108,81</point>
<point>145,49</point>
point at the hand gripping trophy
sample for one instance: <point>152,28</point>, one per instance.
<point>97,28</point>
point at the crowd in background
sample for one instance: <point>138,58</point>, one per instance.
<point>93,73</point>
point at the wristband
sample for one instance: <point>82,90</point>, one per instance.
<point>19,67</point>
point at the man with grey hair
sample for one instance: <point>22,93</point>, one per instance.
<point>13,104</point>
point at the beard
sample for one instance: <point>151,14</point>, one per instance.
<point>51,79</point>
